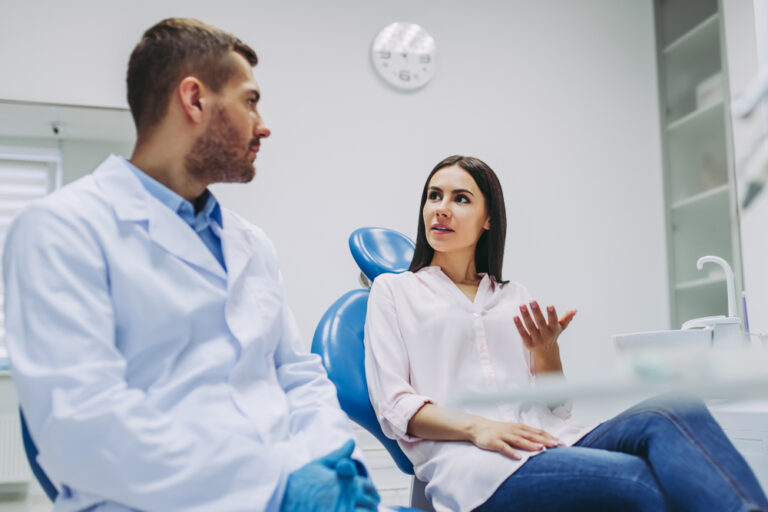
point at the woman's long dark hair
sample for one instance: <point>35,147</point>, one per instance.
<point>489,254</point>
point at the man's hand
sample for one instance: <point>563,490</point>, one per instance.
<point>330,483</point>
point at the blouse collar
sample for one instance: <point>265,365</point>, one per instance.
<point>485,288</point>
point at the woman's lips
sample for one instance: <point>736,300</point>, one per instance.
<point>441,230</point>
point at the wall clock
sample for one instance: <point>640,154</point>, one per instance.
<point>404,55</point>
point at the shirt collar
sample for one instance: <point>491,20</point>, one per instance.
<point>176,203</point>
<point>435,269</point>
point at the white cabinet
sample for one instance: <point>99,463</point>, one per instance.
<point>746,424</point>
<point>699,182</point>
<point>14,470</point>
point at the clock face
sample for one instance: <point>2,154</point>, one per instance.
<point>404,55</point>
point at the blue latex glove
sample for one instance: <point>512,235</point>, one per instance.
<point>331,484</point>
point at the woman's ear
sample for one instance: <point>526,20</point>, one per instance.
<point>487,224</point>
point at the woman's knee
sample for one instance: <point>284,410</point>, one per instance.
<point>641,497</point>
<point>635,488</point>
<point>674,408</point>
<point>585,479</point>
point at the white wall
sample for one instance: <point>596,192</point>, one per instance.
<point>559,97</point>
<point>745,35</point>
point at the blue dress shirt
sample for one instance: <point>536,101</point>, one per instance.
<point>201,222</point>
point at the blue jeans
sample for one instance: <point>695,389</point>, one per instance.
<point>663,454</point>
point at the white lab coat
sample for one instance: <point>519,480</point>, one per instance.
<point>150,378</point>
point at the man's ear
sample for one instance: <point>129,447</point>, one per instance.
<point>190,93</point>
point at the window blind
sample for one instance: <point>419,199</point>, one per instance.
<point>23,178</point>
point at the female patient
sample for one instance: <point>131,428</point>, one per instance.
<point>451,325</point>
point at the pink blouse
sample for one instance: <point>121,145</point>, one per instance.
<point>426,342</point>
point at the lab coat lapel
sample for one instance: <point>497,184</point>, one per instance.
<point>169,231</point>
<point>132,202</point>
<point>236,247</point>
<point>254,300</point>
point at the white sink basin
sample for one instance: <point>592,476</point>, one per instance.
<point>654,340</point>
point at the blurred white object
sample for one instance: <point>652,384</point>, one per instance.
<point>661,355</point>
<point>651,340</point>
<point>746,102</point>
<point>709,91</point>
<point>754,166</point>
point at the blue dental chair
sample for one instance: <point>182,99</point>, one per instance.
<point>31,451</point>
<point>338,339</point>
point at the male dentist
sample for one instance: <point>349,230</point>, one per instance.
<point>157,362</point>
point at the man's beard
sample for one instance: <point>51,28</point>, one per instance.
<point>218,155</point>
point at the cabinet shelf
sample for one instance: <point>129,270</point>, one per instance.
<point>697,153</point>
<point>697,283</point>
<point>712,193</point>
<point>692,35</point>
<point>692,117</point>
<point>689,61</point>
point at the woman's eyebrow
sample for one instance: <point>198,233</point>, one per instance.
<point>454,191</point>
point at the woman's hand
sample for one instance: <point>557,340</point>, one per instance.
<point>504,437</point>
<point>540,334</point>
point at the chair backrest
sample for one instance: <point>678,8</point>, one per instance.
<point>338,341</point>
<point>380,250</point>
<point>31,450</point>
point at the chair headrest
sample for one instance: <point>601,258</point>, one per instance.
<point>381,250</point>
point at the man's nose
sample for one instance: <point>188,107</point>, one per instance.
<point>260,129</point>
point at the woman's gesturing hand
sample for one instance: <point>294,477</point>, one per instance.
<point>539,333</point>
<point>504,437</point>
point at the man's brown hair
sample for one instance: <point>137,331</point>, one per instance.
<point>171,50</point>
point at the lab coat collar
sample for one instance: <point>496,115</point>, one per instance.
<point>133,203</point>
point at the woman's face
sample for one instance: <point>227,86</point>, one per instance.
<point>454,213</point>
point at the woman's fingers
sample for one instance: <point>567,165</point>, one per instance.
<point>529,323</point>
<point>537,435</point>
<point>506,437</point>
<point>505,449</point>
<point>546,439</point>
<point>552,317</point>
<point>526,337</point>
<point>538,316</point>
<point>567,318</point>
<point>524,444</point>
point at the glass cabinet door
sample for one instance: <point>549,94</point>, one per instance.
<point>698,170</point>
